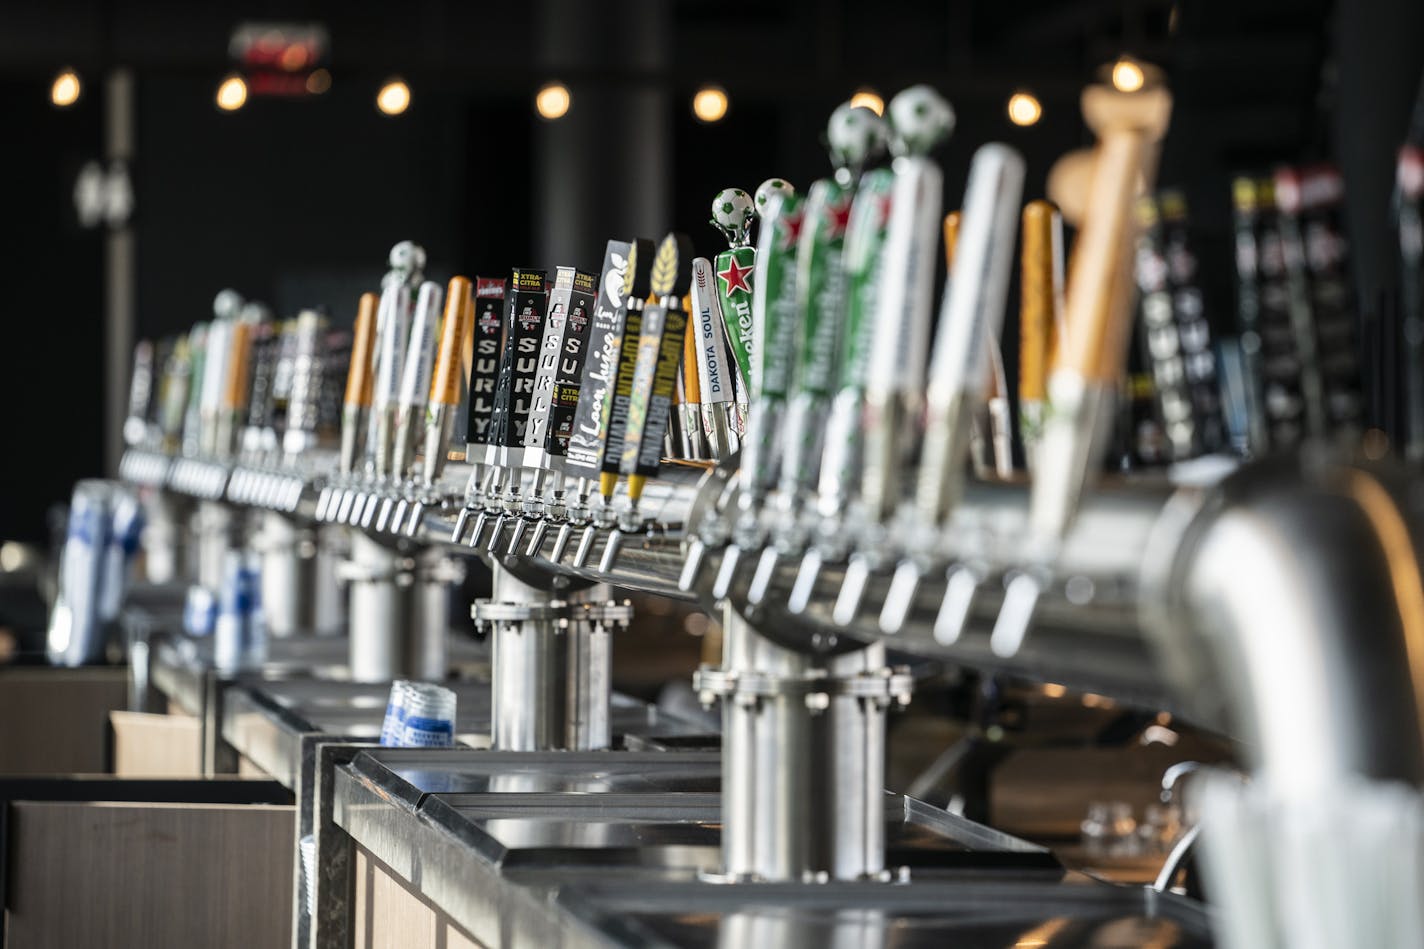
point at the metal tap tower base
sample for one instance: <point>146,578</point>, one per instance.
<point>551,666</point>
<point>803,757</point>
<point>398,611</point>
<point>298,577</point>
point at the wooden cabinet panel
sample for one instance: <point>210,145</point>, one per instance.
<point>147,875</point>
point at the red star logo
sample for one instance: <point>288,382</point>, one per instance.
<point>793,230</point>
<point>734,277</point>
<point>840,217</point>
<point>886,201</point>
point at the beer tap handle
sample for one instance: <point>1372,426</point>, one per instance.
<point>1041,292</point>
<point>1099,307</point>
<point>773,354</point>
<point>414,395</point>
<point>445,385</point>
<point>709,353</point>
<point>660,349</point>
<point>486,347</point>
<point>970,319</point>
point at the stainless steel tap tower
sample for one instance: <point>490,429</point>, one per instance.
<point>803,757</point>
<point>400,601</point>
<point>551,664</point>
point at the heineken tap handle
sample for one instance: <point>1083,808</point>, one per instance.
<point>856,136</point>
<point>1040,312</point>
<point>413,396</point>
<point>445,385</point>
<point>1097,323</point>
<point>773,354</point>
<point>359,381</point>
<point>732,213</point>
<point>773,338</point>
<point>861,261</point>
<point>919,120</point>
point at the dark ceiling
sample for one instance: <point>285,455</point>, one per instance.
<point>296,202</point>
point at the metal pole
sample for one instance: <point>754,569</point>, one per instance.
<point>119,271</point>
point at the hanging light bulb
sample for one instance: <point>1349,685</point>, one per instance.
<point>709,104</point>
<point>553,101</point>
<point>65,89</point>
<point>1024,109</point>
<point>232,94</point>
<point>394,97</point>
<point>1127,75</point>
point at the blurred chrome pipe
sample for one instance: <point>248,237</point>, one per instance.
<point>1291,614</point>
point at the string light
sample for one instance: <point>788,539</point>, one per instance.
<point>709,104</point>
<point>64,92</point>
<point>232,94</point>
<point>1024,109</point>
<point>553,101</point>
<point>394,97</point>
<point>1127,76</point>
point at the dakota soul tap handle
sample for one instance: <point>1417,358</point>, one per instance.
<point>710,353</point>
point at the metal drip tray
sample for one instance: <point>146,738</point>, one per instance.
<point>618,808</point>
<point>973,915</point>
<point>265,720</point>
<point>410,774</point>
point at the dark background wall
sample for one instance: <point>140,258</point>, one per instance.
<point>297,202</point>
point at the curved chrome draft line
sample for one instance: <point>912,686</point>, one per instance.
<point>1292,616</point>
